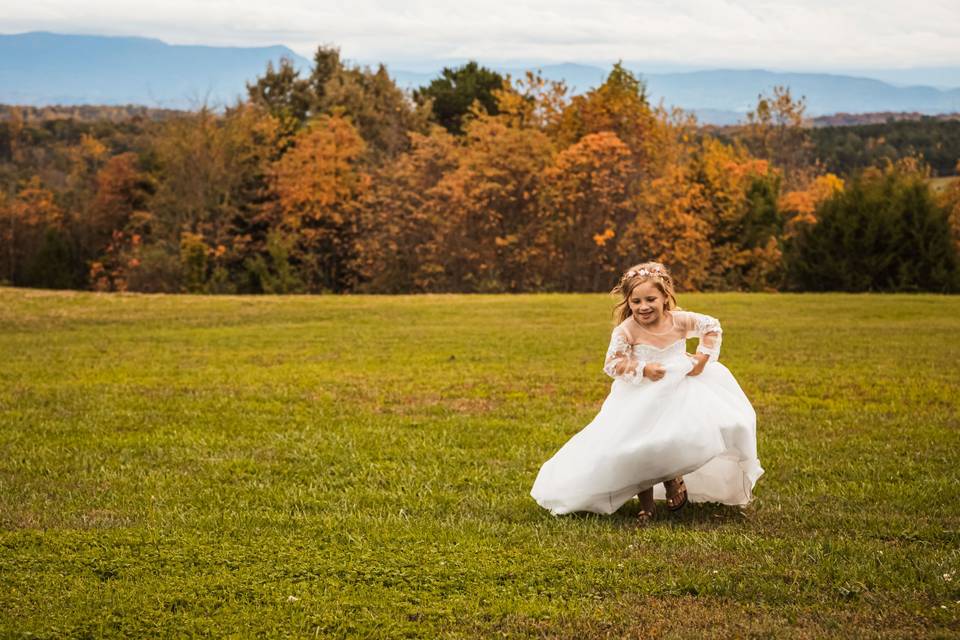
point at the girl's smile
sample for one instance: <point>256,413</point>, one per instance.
<point>647,303</point>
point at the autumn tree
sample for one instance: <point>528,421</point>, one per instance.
<point>533,101</point>
<point>318,184</point>
<point>620,106</point>
<point>381,112</point>
<point>799,206</point>
<point>741,194</point>
<point>950,199</point>
<point>122,189</point>
<point>672,225</point>
<point>405,248</point>
<point>38,252</point>
<point>776,131</point>
<point>213,182</point>
<point>492,234</point>
<point>588,202</point>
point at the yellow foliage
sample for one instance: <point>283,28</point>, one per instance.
<point>600,239</point>
<point>800,205</point>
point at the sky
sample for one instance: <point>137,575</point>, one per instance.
<point>814,35</point>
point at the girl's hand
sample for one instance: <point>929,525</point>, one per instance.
<point>625,365</point>
<point>654,371</point>
<point>700,361</point>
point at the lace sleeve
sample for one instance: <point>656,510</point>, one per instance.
<point>620,362</point>
<point>703,327</point>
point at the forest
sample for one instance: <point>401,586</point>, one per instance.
<point>339,181</point>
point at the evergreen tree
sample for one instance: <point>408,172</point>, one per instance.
<point>282,92</point>
<point>455,91</point>
<point>884,232</point>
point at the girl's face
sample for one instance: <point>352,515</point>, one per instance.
<point>647,303</point>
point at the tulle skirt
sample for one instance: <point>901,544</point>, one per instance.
<point>701,427</point>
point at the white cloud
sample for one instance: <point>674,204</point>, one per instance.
<point>813,34</point>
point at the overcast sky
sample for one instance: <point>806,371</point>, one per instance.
<point>793,34</point>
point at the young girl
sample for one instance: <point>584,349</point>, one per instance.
<point>670,416</point>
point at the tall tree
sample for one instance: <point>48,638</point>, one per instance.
<point>492,231</point>
<point>776,131</point>
<point>318,185</point>
<point>38,252</point>
<point>533,101</point>
<point>381,112</point>
<point>741,195</point>
<point>454,93</point>
<point>405,248</point>
<point>618,105</point>
<point>284,94</point>
<point>589,200</point>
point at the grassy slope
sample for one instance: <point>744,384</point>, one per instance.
<point>361,466</point>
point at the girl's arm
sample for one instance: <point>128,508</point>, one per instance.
<point>620,362</point>
<point>708,332</point>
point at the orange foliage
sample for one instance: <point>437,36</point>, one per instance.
<point>588,199</point>
<point>35,207</point>
<point>800,205</point>
<point>619,106</point>
<point>533,101</point>
<point>24,219</point>
<point>951,201</point>
<point>112,271</point>
<point>489,237</point>
<point>726,174</point>
<point>553,193</point>
<point>318,184</point>
<point>403,248</point>
<point>671,226</point>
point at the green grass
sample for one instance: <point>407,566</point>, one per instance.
<point>360,466</point>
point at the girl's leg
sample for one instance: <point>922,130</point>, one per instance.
<point>676,493</point>
<point>645,514</point>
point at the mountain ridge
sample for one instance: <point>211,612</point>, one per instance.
<point>113,70</point>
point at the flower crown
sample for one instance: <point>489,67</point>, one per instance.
<point>644,272</point>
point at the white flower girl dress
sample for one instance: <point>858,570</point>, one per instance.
<point>701,427</point>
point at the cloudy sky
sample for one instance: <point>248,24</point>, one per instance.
<point>790,34</point>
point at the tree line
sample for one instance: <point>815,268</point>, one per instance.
<point>339,181</point>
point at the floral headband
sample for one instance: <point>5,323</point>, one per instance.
<point>644,272</point>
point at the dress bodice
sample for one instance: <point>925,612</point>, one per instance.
<point>626,360</point>
<point>650,353</point>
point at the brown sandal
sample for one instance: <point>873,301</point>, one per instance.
<point>678,485</point>
<point>646,513</point>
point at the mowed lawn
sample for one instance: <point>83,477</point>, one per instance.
<point>329,466</point>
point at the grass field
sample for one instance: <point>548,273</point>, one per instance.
<point>360,467</point>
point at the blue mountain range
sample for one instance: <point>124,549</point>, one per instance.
<point>41,68</point>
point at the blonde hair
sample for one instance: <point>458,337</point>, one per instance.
<point>636,275</point>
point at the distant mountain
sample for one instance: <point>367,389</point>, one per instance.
<point>725,96</point>
<point>44,68</point>
<point>736,91</point>
<point>938,77</point>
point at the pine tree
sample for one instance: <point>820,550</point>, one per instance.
<point>884,232</point>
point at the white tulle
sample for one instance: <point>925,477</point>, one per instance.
<point>701,427</point>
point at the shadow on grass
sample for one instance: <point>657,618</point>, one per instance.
<point>703,515</point>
